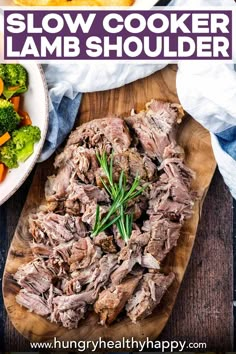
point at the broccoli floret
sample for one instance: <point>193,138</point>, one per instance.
<point>9,119</point>
<point>15,80</point>
<point>24,140</point>
<point>16,75</point>
<point>2,71</point>
<point>8,155</point>
<point>20,147</point>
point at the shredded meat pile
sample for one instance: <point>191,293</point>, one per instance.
<point>72,272</point>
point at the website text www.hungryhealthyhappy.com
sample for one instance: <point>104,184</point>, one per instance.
<point>124,343</point>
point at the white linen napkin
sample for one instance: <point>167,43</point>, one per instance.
<point>207,91</point>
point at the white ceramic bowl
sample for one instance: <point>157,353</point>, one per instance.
<point>36,104</point>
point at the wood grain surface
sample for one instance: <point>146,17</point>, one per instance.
<point>199,156</point>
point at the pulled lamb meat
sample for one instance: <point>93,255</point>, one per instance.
<point>170,198</point>
<point>72,272</point>
<point>56,186</point>
<point>70,318</point>
<point>106,243</point>
<point>86,275</point>
<point>174,150</point>
<point>133,164</point>
<point>28,277</point>
<point>164,236</point>
<point>89,215</point>
<point>85,193</point>
<point>51,228</point>
<point>72,286</point>
<point>156,127</point>
<point>69,310</point>
<point>107,265</point>
<point>170,204</point>
<point>131,255</point>
<point>83,254</point>
<point>33,302</point>
<point>176,169</point>
<point>112,300</point>
<point>105,134</point>
<point>83,160</point>
<point>148,295</point>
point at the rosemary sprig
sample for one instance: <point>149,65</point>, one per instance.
<point>120,195</point>
<point>110,218</point>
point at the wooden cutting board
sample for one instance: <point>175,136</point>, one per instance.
<point>199,156</point>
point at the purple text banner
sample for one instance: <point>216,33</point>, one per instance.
<point>118,35</point>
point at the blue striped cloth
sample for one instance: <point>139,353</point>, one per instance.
<point>64,105</point>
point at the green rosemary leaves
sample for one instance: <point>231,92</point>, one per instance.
<point>121,194</point>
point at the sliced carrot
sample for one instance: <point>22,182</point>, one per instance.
<point>26,120</point>
<point>3,172</point>
<point>13,88</point>
<point>4,138</point>
<point>16,102</point>
<point>1,86</point>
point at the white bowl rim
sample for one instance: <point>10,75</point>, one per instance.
<point>43,137</point>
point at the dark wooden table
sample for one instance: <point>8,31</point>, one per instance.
<point>204,308</point>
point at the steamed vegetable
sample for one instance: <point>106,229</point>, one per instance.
<point>2,71</point>
<point>24,140</point>
<point>1,86</point>
<point>25,118</point>
<point>9,118</point>
<point>3,172</point>
<point>8,155</point>
<point>15,79</point>
<point>20,147</point>
<point>4,138</point>
<point>17,135</point>
<point>15,100</point>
